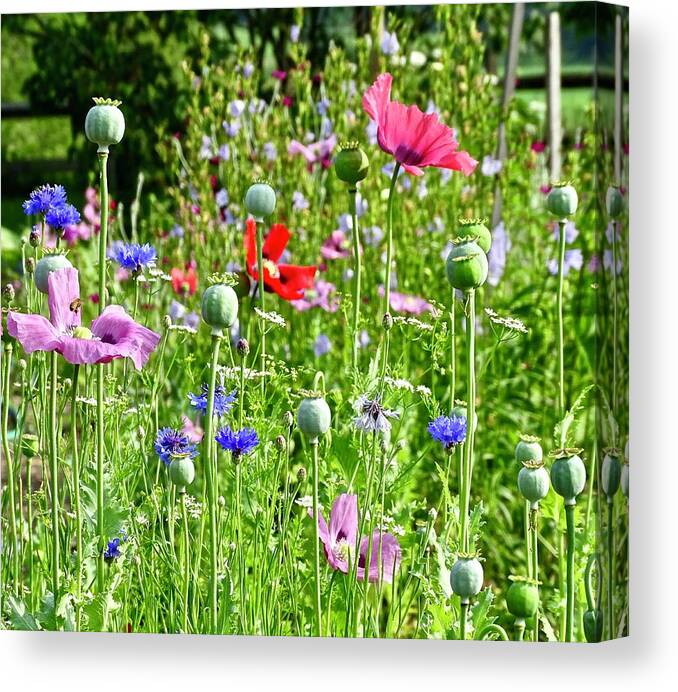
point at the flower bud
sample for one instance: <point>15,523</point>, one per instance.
<point>562,201</point>
<point>387,321</point>
<point>614,202</point>
<point>528,449</point>
<point>166,321</point>
<point>8,293</point>
<point>22,364</point>
<point>466,265</point>
<point>568,474</point>
<point>314,417</point>
<point>105,123</point>
<point>533,482</point>
<point>260,200</point>
<point>301,474</point>
<point>182,472</point>
<point>477,230</point>
<point>466,577</point>
<point>351,164</point>
<point>610,473</point>
<point>45,266</point>
<point>219,307</point>
<point>221,501</point>
<point>30,265</point>
<point>242,347</point>
<point>34,238</point>
<point>593,626</point>
<point>288,419</point>
<point>280,443</point>
<point>522,598</point>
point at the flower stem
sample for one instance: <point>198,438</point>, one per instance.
<point>470,418</point>
<point>76,495</point>
<point>534,523</point>
<point>318,604</point>
<point>7,363</point>
<point>561,351</point>
<point>519,626</point>
<point>453,354</point>
<point>610,568</point>
<point>357,271</point>
<point>569,617</point>
<point>211,482</point>
<point>187,561</point>
<point>54,475</point>
<point>389,238</point>
<point>262,298</point>
<point>103,232</point>
<point>462,620</point>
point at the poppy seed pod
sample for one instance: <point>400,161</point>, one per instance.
<point>45,266</point>
<point>568,474</point>
<point>351,164</point>
<point>477,229</point>
<point>593,626</point>
<point>529,449</point>
<point>30,445</point>
<point>625,480</point>
<point>610,473</point>
<point>466,265</point>
<point>614,202</point>
<point>522,598</point>
<point>533,482</point>
<point>219,307</point>
<point>182,472</point>
<point>562,201</point>
<point>314,417</point>
<point>105,123</point>
<point>466,577</point>
<point>260,200</point>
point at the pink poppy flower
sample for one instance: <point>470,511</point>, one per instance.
<point>336,246</point>
<point>401,302</point>
<point>316,152</point>
<point>339,542</point>
<point>193,431</point>
<point>413,138</point>
<point>538,146</point>
<point>114,334</point>
<point>320,295</point>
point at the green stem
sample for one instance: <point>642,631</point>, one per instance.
<point>519,626</point>
<point>76,495</point>
<point>453,354</point>
<point>610,568</point>
<point>357,271</point>
<point>462,620</point>
<point>187,561</point>
<point>534,522</point>
<point>389,238</point>
<point>262,299</point>
<point>7,362</point>
<point>561,351</point>
<point>54,475</point>
<point>318,604</point>
<point>569,617</point>
<point>470,418</point>
<point>211,482</point>
<point>103,232</point>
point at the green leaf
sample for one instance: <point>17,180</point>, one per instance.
<point>562,429</point>
<point>19,616</point>
<point>480,612</point>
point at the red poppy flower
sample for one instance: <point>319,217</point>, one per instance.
<point>184,282</point>
<point>287,280</point>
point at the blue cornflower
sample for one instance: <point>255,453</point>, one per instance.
<point>448,430</point>
<point>171,443</point>
<point>112,550</point>
<point>223,402</point>
<point>237,443</point>
<point>135,257</point>
<point>43,198</point>
<point>63,216</point>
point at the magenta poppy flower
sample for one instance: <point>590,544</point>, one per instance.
<point>114,334</point>
<point>336,246</point>
<point>413,138</point>
<point>401,302</point>
<point>339,542</point>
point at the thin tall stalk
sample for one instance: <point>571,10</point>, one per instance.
<point>569,617</point>
<point>54,474</point>
<point>357,272</point>
<point>318,603</point>
<point>76,495</point>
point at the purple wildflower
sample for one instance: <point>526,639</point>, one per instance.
<point>62,216</point>
<point>171,443</point>
<point>112,550</point>
<point>134,257</point>
<point>322,345</point>
<point>389,43</point>
<point>223,402</point>
<point>490,166</point>
<point>238,443</point>
<point>573,260</point>
<point>372,416</point>
<point>448,430</point>
<point>43,198</point>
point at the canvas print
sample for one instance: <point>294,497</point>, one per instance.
<point>315,322</point>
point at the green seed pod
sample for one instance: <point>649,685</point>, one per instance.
<point>182,472</point>
<point>625,480</point>
<point>476,229</point>
<point>29,445</point>
<point>105,123</point>
<point>522,598</point>
<point>568,474</point>
<point>466,577</point>
<point>466,265</point>
<point>260,200</point>
<point>533,483</point>
<point>614,202</point>
<point>45,266</point>
<point>460,410</point>
<point>351,164</point>
<point>219,307</point>
<point>562,200</point>
<point>593,626</point>
<point>314,417</point>
<point>529,449</point>
<point>610,473</point>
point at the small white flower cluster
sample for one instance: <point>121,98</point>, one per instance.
<point>511,323</point>
<point>306,502</point>
<point>400,383</point>
<point>413,322</point>
<point>272,317</point>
